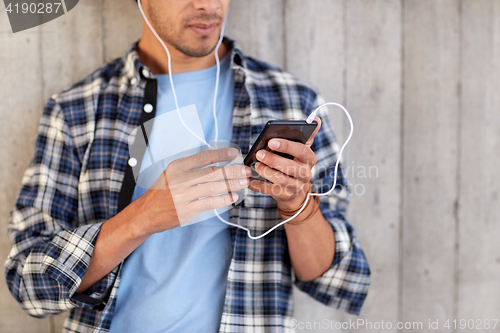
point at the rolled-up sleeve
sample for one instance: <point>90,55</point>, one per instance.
<point>345,284</point>
<point>50,251</point>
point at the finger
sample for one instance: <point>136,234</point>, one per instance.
<point>276,191</point>
<point>215,188</point>
<point>287,166</point>
<point>311,139</point>
<point>300,151</point>
<point>212,174</point>
<point>205,158</point>
<point>210,203</point>
<point>275,176</point>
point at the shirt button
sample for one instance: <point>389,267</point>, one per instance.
<point>145,72</point>
<point>133,81</point>
<point>148,108</point>
<point>132,162</point>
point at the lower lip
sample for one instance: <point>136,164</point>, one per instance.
<point>203,31</point>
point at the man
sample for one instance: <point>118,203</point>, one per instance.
<point>114,254</point>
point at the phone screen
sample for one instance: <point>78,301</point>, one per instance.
<point>293,130</point>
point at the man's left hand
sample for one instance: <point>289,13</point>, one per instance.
<point>290,179</point>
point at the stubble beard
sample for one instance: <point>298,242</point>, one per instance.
<point>167,32</point>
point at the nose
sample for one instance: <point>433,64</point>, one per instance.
<point>209,6</point>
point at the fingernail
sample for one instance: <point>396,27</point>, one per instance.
<point>234,196</point>
<point>261,154</point>
<point>247,171</point>
<point>274,144</point>
<point>244,182</point>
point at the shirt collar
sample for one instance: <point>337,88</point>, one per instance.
<point>135,70</point>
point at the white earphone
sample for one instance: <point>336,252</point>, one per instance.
<point>309,120</point>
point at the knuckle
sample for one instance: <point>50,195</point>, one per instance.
<point>299,172</point>
<point>208,203</point>
<point>240,170</point>
<point>234,171</point>
<point>280,179</point>
<point>306,173</point>
<point>271,158</point>
<point>262,170</point>
<point>314,159</point>
<point>284,181</point>
<point>209,174</point>
<point>227,199</point>
<point>172,164</point>
<point>234,184</point>
<point>211,188</point>
<point>172,168</point>
<point>230,171</point>
<point>201,157</point>
<point>303,150</point>
<point>222,154</point>
<point>284,145</point>
<point>277,178</point>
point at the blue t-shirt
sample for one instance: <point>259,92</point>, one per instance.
<point>176,280</point>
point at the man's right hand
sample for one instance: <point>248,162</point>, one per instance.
<point>188,187</point>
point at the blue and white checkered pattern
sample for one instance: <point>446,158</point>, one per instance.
<point>72,185</point>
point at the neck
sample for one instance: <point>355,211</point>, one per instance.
<point>153,55</point>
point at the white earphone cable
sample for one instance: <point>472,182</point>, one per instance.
<point>170,74</point>
<point>309,195</point>
<point>309,120</point>
<point>217,76</point>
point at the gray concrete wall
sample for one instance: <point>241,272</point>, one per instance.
<point>421,79</point>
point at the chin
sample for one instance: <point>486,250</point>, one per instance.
<point>197,50</point>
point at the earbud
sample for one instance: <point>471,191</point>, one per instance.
<point>311,117</point>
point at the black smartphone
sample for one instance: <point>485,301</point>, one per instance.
<point>293,130</point>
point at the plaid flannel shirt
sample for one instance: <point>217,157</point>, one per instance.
<point>73,182</point>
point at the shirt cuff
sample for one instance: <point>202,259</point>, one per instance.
<point>67,260</point>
